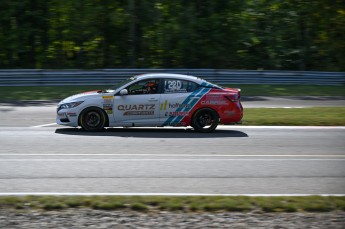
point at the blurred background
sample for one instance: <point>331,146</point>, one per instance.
<point>222,34</point>
<point>288,57</point>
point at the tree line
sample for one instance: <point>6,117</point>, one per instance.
<point>229,34</point>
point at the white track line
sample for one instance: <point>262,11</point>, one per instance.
<point>279,107</point>
<point>174,155</point>
<point>156,159</point>
<point>279,127</point>
<point>228,127</point>
<point>44,125</point>
<point>149,194</point>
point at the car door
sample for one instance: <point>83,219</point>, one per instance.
<point>177,100</point>
<point>140,107</point>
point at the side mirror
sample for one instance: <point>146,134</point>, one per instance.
<point>124,92</point>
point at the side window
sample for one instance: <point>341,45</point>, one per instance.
<point>179,86</point>
<point>149,86</point>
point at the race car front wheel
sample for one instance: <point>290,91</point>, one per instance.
<point>205,120</point>
<point>92,119</point>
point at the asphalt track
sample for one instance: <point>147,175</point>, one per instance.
<point>37,156</point>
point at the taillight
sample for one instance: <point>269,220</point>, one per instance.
<point>238,93</point>
<point>233,97</point>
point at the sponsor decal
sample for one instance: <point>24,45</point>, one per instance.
<point>166,105</point>
<point>72,114</point>
<point>108,108</point>
<point>229,113</point>
<point>214,102</point>
<point>179,105</point>
<point>136,107</point>
<point>211,97</point>
<point>108,98</point>
<point>138,113</point>
<point>163,106</point>
<point>176,113</point>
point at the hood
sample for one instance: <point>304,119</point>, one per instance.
<point>81,96</point>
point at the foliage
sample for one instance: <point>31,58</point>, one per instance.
<point>236,34</point>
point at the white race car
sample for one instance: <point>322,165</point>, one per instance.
<point>153,100</point>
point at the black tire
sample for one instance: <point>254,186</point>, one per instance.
<point>205,120</point>
<point>92,119</point>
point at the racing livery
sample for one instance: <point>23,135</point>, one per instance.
<point>154,100</point>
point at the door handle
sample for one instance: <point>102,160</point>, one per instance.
<point>153,100</point>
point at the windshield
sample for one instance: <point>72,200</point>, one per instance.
<point>117,86</point>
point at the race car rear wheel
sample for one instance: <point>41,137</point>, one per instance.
<point>205,120</point>
<point>92,119</point>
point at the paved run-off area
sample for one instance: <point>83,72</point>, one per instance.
<point>51,159</point>
<point>233,160</point>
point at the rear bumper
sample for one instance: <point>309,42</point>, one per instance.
<point>233,115</point>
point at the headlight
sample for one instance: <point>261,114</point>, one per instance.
<point>69,105</point>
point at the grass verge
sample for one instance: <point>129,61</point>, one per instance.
<point>42,92</point>
<point>185,204</point>
<point>60,92</point>
<point>290,90</point>
<point>315,116</point>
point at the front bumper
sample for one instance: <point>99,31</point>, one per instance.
<point>67,117</point>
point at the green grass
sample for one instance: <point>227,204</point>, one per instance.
<point>290,90</point>
<point>42,93</point>
<point>111,205</point>
<point>185,204</point>
<point>315,116</point>
<point>60,92</point>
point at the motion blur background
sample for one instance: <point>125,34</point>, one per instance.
<point>288,57</point>
<point>223,34</point>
